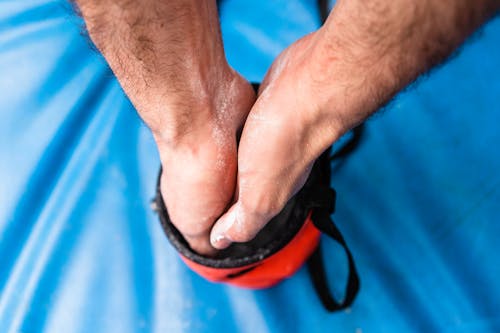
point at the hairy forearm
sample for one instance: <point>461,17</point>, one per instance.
<point>166,55</point>
<point>374,48</point>
<point>413,34</point>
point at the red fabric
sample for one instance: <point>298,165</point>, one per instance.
<point>271,270</point>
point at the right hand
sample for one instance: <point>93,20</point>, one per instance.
<point>168,57</point>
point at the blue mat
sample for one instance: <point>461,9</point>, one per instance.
<point>81,251</point>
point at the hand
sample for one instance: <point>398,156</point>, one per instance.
<point>285,132</point>
<point>325,84</point>
<point>169,59</point>
<point>199,171</point>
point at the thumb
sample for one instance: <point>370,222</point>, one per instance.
<point>238,224</point>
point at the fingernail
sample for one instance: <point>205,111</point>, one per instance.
<point>219,241</point>
<point>219,238</point>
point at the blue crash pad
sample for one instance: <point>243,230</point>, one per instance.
<point>81,251</point>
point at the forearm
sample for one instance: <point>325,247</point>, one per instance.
<point>169,59</point>
<point>154,47</point>
<point>374,48</point>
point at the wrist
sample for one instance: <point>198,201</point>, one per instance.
<point>211,117</point>
<point>346,86</point>
<point>169,59</point>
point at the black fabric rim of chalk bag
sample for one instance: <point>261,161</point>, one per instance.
<point>290,219</point>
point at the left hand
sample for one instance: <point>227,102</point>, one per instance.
<point>328,82</point>
<point>289,126</point>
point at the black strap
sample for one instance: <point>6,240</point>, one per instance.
<point>322,221</point>
<point>351,144</point>
<point>324,11</point>
<point>321,201</point>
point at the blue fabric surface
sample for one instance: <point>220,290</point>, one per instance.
<point>81,251</point>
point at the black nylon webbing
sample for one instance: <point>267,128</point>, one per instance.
<point>322,221</point>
